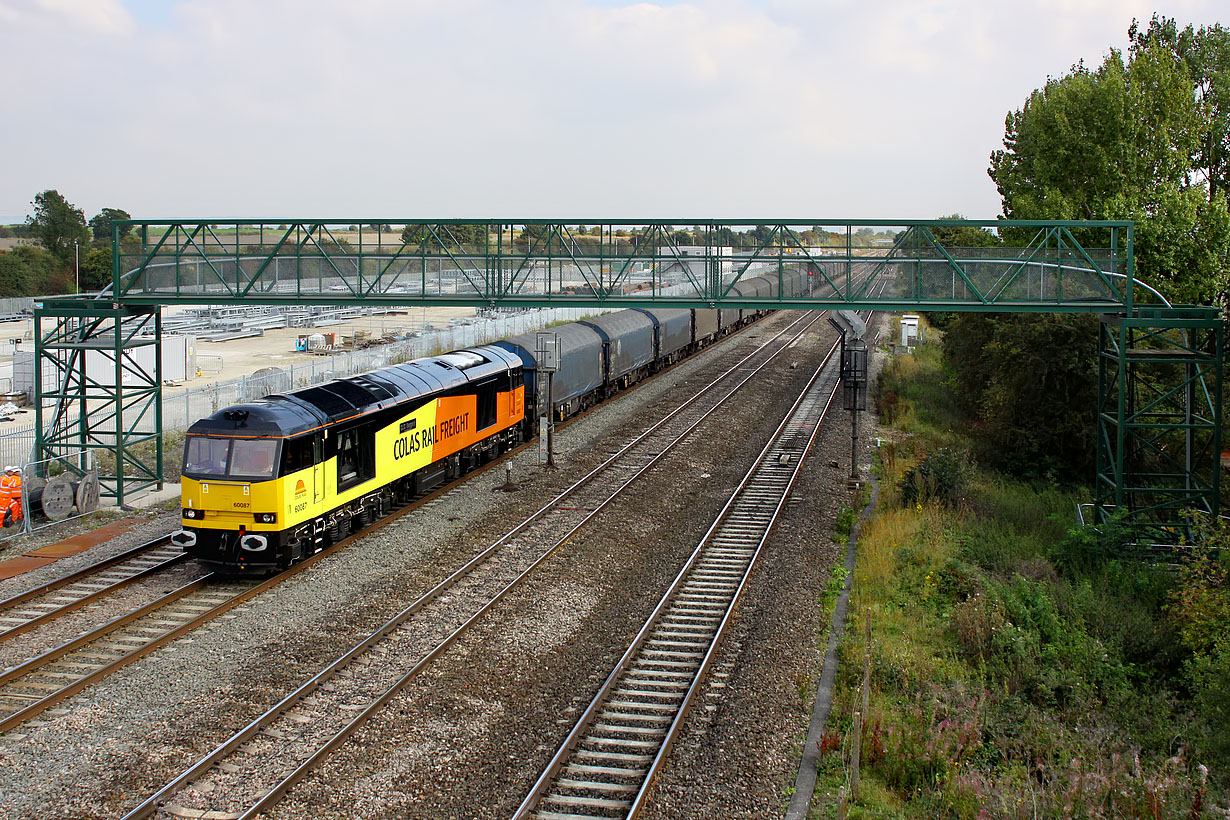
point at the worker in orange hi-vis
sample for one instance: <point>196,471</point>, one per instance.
<point>10,495</point>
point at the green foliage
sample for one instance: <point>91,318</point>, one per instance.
<point>100,224</point>
<point>1024,669</point>
<point>1027,384</point>
<point>1199,608</point>
<point>834,585</point>
<point>27,271</point>
<point>444,236</point>
<point>943,476</point>
<point>843,525</point>
<point>1125,141</point>
<point>963,236</point>
<point>58,225</point>
<point>1205,53</point>
<point>912,390</point>
<point>96,268</point>
<point>15,270</point>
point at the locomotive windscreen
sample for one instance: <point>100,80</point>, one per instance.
<point>231,458</point>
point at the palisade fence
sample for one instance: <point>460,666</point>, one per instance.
<point>181,409</point>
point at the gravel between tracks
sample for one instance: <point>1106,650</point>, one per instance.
<point>469,739</point>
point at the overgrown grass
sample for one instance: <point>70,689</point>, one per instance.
<point>1020,668</point>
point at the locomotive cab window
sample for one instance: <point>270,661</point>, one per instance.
<point>486,392</point>
<point>230,458</point>
<point>298,454</point>
<point>356,461</point>
<point>254,458</point>
<point>206,456</point>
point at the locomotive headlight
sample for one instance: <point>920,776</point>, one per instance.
<point>266,518</point>
<point>191,513</point>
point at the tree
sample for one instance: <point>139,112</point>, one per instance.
<point>1118,143</point>
<point>57,225</point>
<point>759,235</point>
<point>95,269</point>
<point>449,236</point>
<point>1205,52</point>
<point>1127,140</point>
<point>1028,381</point>
<point>963,236</point>
<point>15,273</point>
<point>101,224</point>
<point>31,271</point>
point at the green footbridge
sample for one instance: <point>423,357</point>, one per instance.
<point>1160,368</point>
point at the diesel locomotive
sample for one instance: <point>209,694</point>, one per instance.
<point>272,481</point>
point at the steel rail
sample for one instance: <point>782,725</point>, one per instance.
<point>398,622</point>
<point>647,737</point>
<point>113,567</point>
<point>32,666</point>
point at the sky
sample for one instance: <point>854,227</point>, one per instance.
<point>562,109</point>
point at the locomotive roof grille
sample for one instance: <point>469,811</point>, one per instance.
<point>380,390</point>
<point>328,402</point>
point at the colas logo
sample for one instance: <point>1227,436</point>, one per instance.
<point>299,488</point>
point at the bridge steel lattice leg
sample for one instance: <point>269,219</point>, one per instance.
<point>99,367</point>
<point>1159,426</point>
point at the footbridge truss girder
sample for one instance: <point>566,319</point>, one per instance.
<point>101,382</point>
<point>870,264</point>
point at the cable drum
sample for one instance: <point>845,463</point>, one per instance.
<point>88,492</point>
<point>57,498</point>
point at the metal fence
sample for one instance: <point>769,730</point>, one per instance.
<point>16,444</point>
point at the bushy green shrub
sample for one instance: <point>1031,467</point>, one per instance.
<point>1199,608</point>
<point>943,476</point>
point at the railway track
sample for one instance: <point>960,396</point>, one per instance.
<point>54,599</point>
<point>31,688</point>
<point>45,680</point>
<point>254,768</point>
<point>607,763</point>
